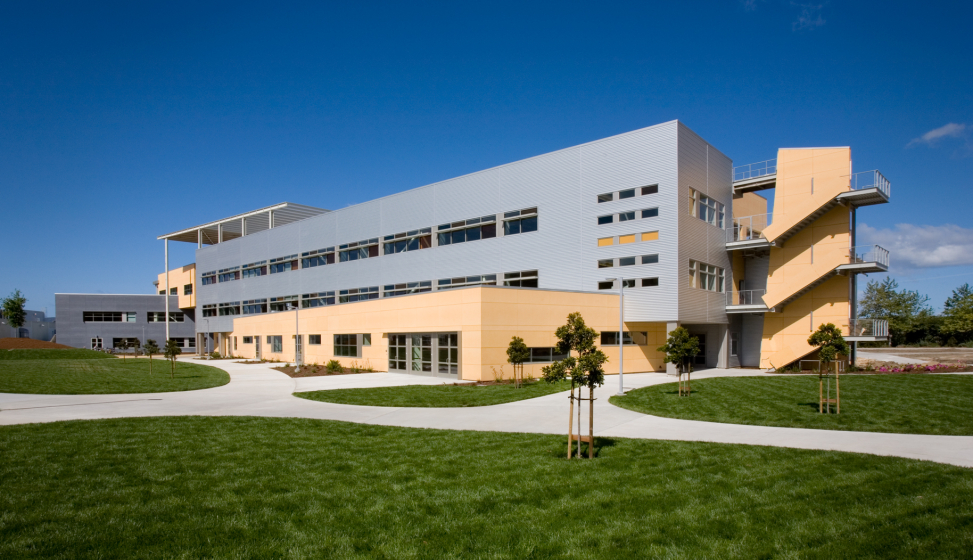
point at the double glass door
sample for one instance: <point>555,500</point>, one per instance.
<point>434,354</point>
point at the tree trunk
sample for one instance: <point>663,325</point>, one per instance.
<point>150,363</point>
<point>571,419</point>
<point>591,422</point>
<point>579,421</point>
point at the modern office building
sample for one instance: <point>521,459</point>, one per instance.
<point>37,325</point>
<point>436,280</point>
<point>102,321</point>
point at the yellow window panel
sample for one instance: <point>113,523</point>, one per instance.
<point>605,241</point>
<point>623,239</point>
<point>650,236</point>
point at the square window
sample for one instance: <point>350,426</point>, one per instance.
<point>650,282</point>
<point>606,263</point>
<point>650,259</point>
<point>651,189</point>
<point>314,339</point>
<point>626,261</point>
<point>626,194</point>
<point>629,283</point>
<point>602,220</point>
<point>608,197</point>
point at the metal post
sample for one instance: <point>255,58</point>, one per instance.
<point>621,337</point>
<point>167,288</point>
<point>298,354</point>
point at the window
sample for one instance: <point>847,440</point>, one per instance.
<point>162,292</point>
<point>544,355</point>
<point>229,274</point>
<point>606,263</point>
<point>623,239</point>
<point>348,345</point>
<point>462,281</point>
<point>626,194</point>
<point>602,220</point>
<point>610,338</point>
<point>276,344</point>
<point>108,316</point>
<point>650,259</point>
<point>318,257</point>
<point>626,216</point>
<point>651,189</point>
<point>248,340</point>
<point>523,279</point>
<point>185,342</point>
<point>366,339</point>
<point>173,291</point>
<point>650,212</point>
<point>234,343</point>
<point>462,231</point>
<point>629,283</point>
<point>283,264</point>
<point>650,282</point>
<point>128,342</point>
<point>317,299</point>
<point>705,208</point>
<point>392,290</point>
<point>209,310</point>
<point>607,197</point>
<point>229,308</point>
<point>254,306</point>
<point>314,339</point>
<point>160,317</point>
<point>96,343</point>
<point>606,285</point>
<point>208,278</point>
<point>187,290</point>
<point>255,269</point>
<point>520,221</point>
<point>650,236</point>
<point>408,241</point>
<point>606,241</point>
<point>283,303</point>
<point>734,343</point>
<point>357,294</point>
<point>363,249</point>
<point>626,261</point>
<point>705,276</point>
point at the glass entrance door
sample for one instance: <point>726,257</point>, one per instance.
<point>256,342</point>
<point>700,359</point>
<point>435,354</point>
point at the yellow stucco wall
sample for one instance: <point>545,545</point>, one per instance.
<point>807,256</point>
<point>749,204</point>
<point>485,318</point>
<point>178,278</point>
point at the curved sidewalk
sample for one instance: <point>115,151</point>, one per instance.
<point>257,390</point>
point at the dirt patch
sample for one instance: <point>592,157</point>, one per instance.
<point>28,343</point>
<point>931,355</point>
<point>310,371</point>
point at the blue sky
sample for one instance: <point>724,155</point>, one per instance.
<point>122,121</point>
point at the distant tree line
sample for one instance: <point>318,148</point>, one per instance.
<point>912,320</point>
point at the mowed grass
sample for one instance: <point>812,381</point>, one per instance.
<point>908,403</point>
<point>437,395</point>
<point>198,487</point>
<point>99,376</point>
<point>54,354</point>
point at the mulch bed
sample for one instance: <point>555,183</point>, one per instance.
<point>311,371</point>
<point>28,343</point>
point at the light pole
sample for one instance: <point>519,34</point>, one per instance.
<point>621,334</point>
<point>297,337</point>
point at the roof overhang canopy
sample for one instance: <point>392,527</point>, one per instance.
<point>244,224</point>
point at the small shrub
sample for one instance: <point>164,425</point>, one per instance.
<point>333,366</point>
<point>368,367</point>
<point>215,355</point>
<point>497,376</point>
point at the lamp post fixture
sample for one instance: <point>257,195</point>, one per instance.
<point>621,334</point>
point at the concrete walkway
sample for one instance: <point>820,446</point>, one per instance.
<point>257,390</point>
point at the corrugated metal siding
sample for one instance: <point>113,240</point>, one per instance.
<point>73,331</point>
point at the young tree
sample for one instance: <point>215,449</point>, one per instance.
<point>830,344</point>
<point>121,346</point>
<point>13,309</point>
<point>170,352</point>
<point>958,313</point>
<point>680,349</point>
<point>517,354</point>
<point>586,369</point>
<point>903,309</point>
<point>151,347</point>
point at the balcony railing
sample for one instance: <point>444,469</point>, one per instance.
<point>748,227</point>
<point>870,180</point>
<point>745,297</point>
<point>754,170</point>
<point>869,254</point>
<point>868,327</point>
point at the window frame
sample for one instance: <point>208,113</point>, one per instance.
<point>466,281</point>
<point>318,257</point>
<point>406,288</point>
<point>318,299</point>
<point>254,269</point>
<point>515,221</point>
<point>352,295</point>
<point>281,265</point>
<point>712,278</point>
<point>486,226</point>
<point>521,279</point>
<point>641,338</point>
<point>405,242</point>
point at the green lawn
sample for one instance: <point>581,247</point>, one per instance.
<point>268,488</point>
<point>911,404</point>
<point>436,395</point>
<point>85,377</point>
<point>54,354</point>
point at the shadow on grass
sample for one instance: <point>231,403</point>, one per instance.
<point>600,443</point>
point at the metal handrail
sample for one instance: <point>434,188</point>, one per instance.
<point>754,170</point>
<point>868,327</point>
<point>745,297</point>
<point>748,227</point>
<point>870,180</point>
<point>868,254</point>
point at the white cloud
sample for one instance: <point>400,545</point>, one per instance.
<point>810,17</point>
<point>913,246</point>
<point>951,130</point>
